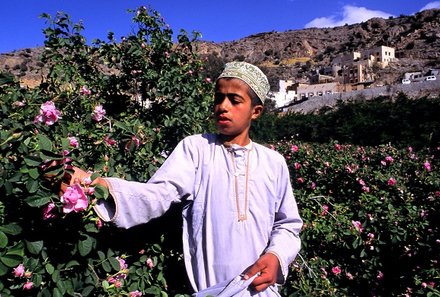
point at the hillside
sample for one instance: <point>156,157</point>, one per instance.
<point>292,54</point>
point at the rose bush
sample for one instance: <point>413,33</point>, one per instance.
<point>113,108</point>
<point>371,219</point>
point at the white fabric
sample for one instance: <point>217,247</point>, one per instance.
<point>217,246</point>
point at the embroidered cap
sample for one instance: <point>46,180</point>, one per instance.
<point>250,74</point>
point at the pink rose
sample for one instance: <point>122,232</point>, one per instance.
<point>427,166</point>
<point>336,270</point>
<point>74,199</point>
<point>324,210</point>
<point>85,91</point>
<point>379,275</point>
<point>73,142</point>
<point>150,263</point>
<point>338,147</point>
<point>48,114</point>
<point>28,285</point>
<point>392,181</point>
<point>389,159</point>
<point>122,263</point>
<point>294,148</point>
<point>19,271</point>
<point>98,113</point>
<point>135,294</point>
<point>358,226</point>
<point>297,166</point>
<point>47,211</point>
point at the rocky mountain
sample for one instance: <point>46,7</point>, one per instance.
<point>294,54</point>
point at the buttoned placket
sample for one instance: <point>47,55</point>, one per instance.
<point>240,164</point>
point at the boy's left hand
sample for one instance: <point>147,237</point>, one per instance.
<point>267,265</point>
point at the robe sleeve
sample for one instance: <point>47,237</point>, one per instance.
<point>285,242</point>
<point>136,203</point>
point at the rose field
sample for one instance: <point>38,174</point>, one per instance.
<point>117,108</point>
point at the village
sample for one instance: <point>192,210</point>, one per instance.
<point>347,73</point>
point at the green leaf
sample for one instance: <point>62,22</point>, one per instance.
<point>33,161</point>
<point>56,276</point>
<point>12,229</point>
<point>37,200</point>
<point>34,173</point>
<point>106,266</point>
<point>49,155</point>
<point>72,263</point>
<point>101,192</point>
<point>87,290</point>
<point>3,240</point>
<point>115,264</point>
<point>11,260</point>
<point>57,293</point>
<point>49,268</point>
<point>3,269</point>
<point>44,142</point>
<point>85,246</point>
<point>101,255</point>
<point>32,186</point>
<point>34,247</point>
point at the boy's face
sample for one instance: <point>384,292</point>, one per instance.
<point>233,110</point>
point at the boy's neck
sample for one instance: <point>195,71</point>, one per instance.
<point>239,140</point>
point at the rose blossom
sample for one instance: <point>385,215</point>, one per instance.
<point>122,263</point>
<point>379,275</point>
<point>392,181</point>
<point>47,211</point>
<point>73,142</point>
<point>98,113</point>
<point>74,199</point>
<point>85,91</point>
<point>150,263</point>
<point>19,271</point>
<point>357,225</point>
<point>294,148</point>
<point>427,166</point>
<point>28,285</point>
<point>135,294</point>
<point>325,210</point>
<point>389,159</point>
<point>336,270</point>
<point>49,114</point>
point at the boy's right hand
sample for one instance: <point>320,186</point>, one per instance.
<point>77,176</point>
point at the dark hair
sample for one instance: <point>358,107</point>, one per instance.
<point>255,100</point>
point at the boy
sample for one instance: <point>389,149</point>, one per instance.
<point>241,220</point>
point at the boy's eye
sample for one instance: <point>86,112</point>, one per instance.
<point>218,98</point>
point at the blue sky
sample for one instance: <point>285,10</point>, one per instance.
<point>225,20</point>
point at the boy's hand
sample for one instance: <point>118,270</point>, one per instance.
<point>267,265</point>
<point>77,176</point>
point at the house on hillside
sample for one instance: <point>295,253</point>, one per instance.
<point>357,67</point>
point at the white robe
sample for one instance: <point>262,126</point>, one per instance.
<point>233,214</point>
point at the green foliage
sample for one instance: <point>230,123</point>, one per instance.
<point>371,220</point>
<point>402,122</point>
<point>113,108</point>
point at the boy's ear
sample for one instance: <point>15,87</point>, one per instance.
<point>257,111</point>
